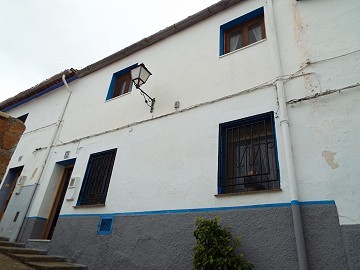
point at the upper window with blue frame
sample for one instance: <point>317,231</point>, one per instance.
<point>242,31</point>
<point>121,83</point>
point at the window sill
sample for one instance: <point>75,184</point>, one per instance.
<point>110,99</point>
<point>39,240</point>
<point>243,48</point>
<point>89,206</point>
<point>247,192</point>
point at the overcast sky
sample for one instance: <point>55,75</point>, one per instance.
<point>40,38</point>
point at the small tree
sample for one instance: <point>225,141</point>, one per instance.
<point>215,249</point>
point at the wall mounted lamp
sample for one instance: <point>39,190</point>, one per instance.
<point>140,75</point>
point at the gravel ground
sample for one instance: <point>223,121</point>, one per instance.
<point>7,263</point>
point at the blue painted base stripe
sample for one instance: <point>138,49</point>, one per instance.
<point>330,202</point>
<point>201,210</point>
<point>180,211</point>
<point>295,202</point>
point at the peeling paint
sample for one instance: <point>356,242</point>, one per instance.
<point>329,158</point>
<point>299,29</point>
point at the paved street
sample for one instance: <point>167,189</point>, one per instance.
<point>7,263</point>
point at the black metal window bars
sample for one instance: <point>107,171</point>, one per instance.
<point>248,156</point>
<point>97,178</point>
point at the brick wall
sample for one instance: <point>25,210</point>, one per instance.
<point>11,130</point>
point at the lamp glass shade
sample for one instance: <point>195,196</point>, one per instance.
<point>140,75</point>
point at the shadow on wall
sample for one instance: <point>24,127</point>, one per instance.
<point>11,130</point>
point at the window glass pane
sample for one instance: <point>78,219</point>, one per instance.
<point>235,40</point>
<point>255,33</point>
<point>123,85</point>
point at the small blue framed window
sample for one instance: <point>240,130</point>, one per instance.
<point>242,31</point>
<point>105,225</point>
<point>121,82</point>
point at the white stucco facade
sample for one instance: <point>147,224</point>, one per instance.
<point>168,159</point>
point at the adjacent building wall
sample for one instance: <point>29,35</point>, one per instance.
<point>11,130</point>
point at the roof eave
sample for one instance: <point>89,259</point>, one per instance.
<point>38,90</point>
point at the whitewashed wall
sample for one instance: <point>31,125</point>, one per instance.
<point>169,159</point>
<point>325,129</point>
<point>43,115</point>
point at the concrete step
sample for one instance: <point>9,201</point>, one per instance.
<point>11,244</point>
<point>56,265</point>
<point>19,250</point>
<point>36,258</point>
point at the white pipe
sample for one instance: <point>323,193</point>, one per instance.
<point>284,119</point>
<point>53,140</point>
<point>65,83</point>
<point>56,133</point>
<point>284,123</point>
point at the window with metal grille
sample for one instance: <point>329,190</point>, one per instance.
<point>248,155</point>
<point>105,226</point>
<point>97,178</point>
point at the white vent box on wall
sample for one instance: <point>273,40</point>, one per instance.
<point>70,193</point>
<point>20,182</point>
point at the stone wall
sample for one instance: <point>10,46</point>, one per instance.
<point>11,130</point>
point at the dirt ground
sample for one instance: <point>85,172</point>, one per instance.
<point>7,263</point>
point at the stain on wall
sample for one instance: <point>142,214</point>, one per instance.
<point>329,158</point>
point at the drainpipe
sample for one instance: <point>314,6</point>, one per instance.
<point>56,133</point>
<point>53,140</point>
<point>284,123</point>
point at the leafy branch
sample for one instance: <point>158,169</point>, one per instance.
<point>215,248</point>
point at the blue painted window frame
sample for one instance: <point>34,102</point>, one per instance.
<point>111,225</point>
<point>115,76</point>
<point>236,22</point>
<point>239,122</point>
<point>67,162</point>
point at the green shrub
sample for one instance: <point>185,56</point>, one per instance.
<point>215,248</point>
